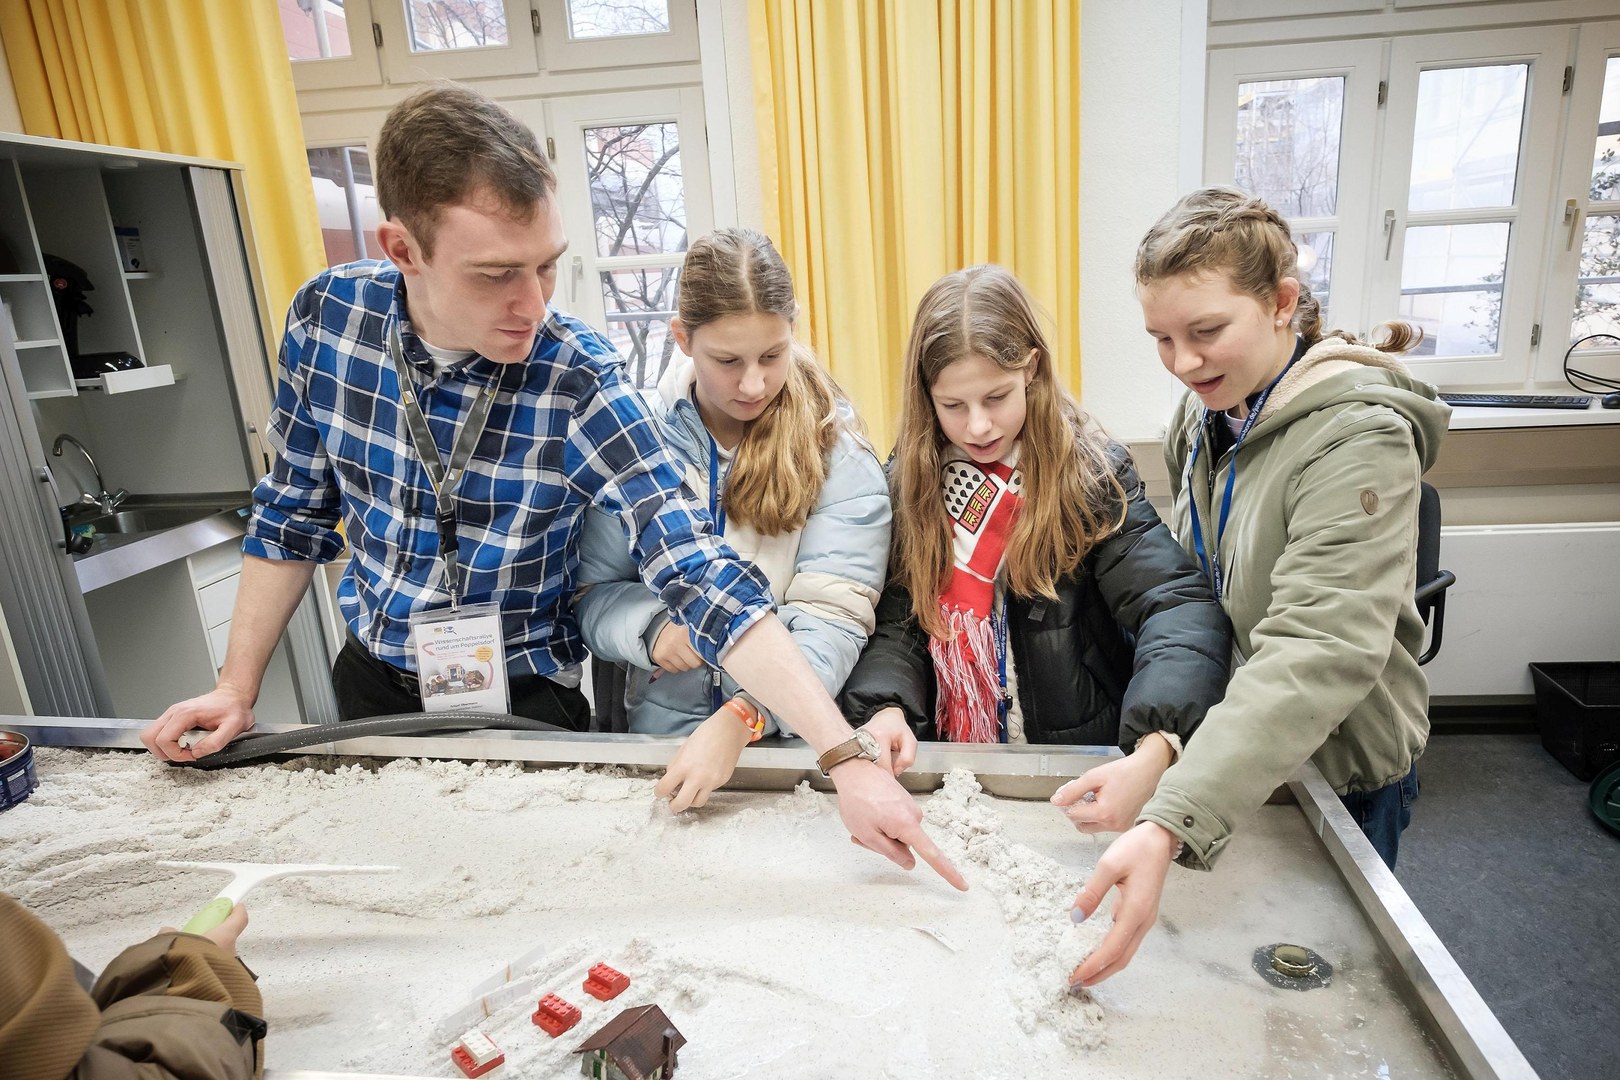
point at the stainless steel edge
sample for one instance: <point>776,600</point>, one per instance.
<point>1040,769</point>
<point>1457,1016</point>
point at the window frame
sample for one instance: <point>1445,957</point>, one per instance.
<point>1554,165</point>
<point>519,56</point>
<point>579,285</point>
<point>1360,64</point>
<point>1575,183</point>
<point>561,52</point>
<point>1545,50</point>
<point>362,67</point>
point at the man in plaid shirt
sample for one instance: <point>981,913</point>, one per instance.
<point>474,234</point>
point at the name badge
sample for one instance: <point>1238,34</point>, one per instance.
<point>461,658</point>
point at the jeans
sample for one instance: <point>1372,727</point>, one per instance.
<point>1384,814</point>
<point>366,686</point>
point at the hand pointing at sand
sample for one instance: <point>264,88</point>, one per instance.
<point>882,816</point>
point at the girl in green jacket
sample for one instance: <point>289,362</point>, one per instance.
<point>1294,462</point>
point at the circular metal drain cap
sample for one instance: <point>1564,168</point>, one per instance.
<point>1292,967</point>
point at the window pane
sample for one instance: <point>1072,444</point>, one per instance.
<point>1316,266</point>
<point>639,305</point>
<point>1465,152</point>
<point>611,18</point>
<point>1606,155</point>
<point>437,25</point>
<point>1597,290</point>
<point>637,197</point>
<point>345,200</point>
<point>1288,144</point>
<point>1451,286</point>
<point>314,29</point>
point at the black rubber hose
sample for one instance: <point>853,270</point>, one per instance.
<point>249,748</point>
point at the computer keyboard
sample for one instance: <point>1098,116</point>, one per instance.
<point>1518,401</point>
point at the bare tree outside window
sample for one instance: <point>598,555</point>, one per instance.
<point>437,25</point>
<point>1288,134</point>
<point>1597,286</point>
<point>617,18</point>
<point>638,203</point>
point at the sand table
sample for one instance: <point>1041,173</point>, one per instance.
<point>776,946</point>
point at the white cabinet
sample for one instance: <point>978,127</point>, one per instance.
<point>26,295</point>
<point>215,575</point>
<point>133,644</point>
<point>162,636</point>
<point>95,217</point>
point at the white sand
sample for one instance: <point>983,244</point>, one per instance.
<point>776,946</point>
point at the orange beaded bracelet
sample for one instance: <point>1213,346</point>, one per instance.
<point>752,718</point>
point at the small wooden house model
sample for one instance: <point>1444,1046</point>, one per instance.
<point>638,1044</point>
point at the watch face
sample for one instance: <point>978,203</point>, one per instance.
<point>869,744</point>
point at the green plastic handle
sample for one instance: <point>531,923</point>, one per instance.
<point>209,915</point>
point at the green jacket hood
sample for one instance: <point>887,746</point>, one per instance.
<point>1333,371</point>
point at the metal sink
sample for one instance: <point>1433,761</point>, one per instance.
<point>144,519</point>
<point>147,531</point>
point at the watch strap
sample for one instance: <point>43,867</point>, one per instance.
<point>851,747</point>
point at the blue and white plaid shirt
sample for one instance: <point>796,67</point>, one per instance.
<point>566,431</point>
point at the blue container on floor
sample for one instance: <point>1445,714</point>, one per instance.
<point>17,777</point>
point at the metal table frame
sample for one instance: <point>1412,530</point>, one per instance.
<point>1451,1010</point>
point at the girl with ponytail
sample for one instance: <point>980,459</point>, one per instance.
<point>1295,461</point>
<point>769,441</point>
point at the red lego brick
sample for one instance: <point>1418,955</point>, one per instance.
<point>477,1055</point>
<point>555,1015</point>
<point>604,983</point>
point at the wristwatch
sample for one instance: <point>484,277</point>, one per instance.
<point>862,745</point>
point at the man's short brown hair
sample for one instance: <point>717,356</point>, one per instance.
<point>446,144</point>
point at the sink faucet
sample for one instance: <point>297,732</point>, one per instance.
<point>108,501</point>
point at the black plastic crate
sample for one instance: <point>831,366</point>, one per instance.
<point>1578,711</point>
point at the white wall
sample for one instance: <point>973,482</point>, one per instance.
<point>1130,173</point>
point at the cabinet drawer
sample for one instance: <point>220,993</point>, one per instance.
<point>218,637</point>
<point>218,600</point>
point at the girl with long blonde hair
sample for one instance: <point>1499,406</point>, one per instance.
<point>1034,595</point>
<point>768,440</point>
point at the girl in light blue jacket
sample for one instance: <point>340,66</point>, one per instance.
<point>771,444</point>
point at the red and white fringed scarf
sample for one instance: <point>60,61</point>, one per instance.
<point>983,504</point>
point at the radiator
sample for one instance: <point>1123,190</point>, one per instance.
<point>1525,593</point>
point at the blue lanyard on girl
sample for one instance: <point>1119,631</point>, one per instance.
<point>717,511</point>
<point>1211,561</point>
<point>998,623</point>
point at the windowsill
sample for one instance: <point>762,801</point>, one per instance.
<point>1472,418</point>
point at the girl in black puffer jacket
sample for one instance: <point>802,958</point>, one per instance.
<point>1034,595</point>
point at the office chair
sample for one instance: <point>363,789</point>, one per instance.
<point>607,696</point>
<point>1432,582</point>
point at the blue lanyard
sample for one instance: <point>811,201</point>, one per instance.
<point>717,511</point>
<point>1212,566</point>
<point>999,624</point>
<point>717,508</point>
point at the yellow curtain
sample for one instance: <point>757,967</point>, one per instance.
<point>901,140</point>
<point>190,77</point>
